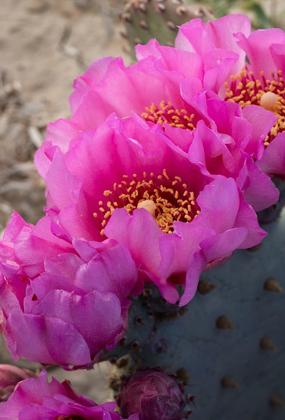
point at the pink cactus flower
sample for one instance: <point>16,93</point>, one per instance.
<point>71,306</point>
<point>138,188</point>
<point>153,395</point>
<point>39,399</point>
<point>172,90</point>
<point>256,82</point>
<point>9,377</point>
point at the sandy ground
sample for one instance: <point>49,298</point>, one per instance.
<point>44,46</point>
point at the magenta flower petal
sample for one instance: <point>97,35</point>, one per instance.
<point>24,247</point>
<point>209,151</point>
<point>218,64</point>
<point>9,377</point>
<point>99,273</point>
<point>246,217</point>
<point>166,186</point>
<point>215,248</point>
<point>39,399</point>
<point>33,246</point>
<point>177,258</point>
<point>273,160</point>
<point>43,333</point>
<point>178,249</point>
<point>115,157</point>
<point>126,82</point>
<point>140,234</point>
<point>91,111</point>
<point>60,307</point>
<point>94,74</point>
<point>278,55</point>
<point>257,47</point>
<point>229,199</point>
<point>256,84</point>
<point>61,194</point>
<point>80,305</point>
<point>261,122</point>
<point>169,63</point>
<point>223,245</point>
<point>250,179</point>
<point>202,37</point>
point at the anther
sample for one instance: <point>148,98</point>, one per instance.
<point>247,89</point>
<point>153,193</point>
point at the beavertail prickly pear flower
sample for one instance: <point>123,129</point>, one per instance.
<point>170,88</point>
<point>256,78</point>
<point>58,307</point>
<point>39,399</point>
<point>153,395</point>
<point>9,377</point>
<point>127,182</point>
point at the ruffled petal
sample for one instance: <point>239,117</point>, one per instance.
<point>273,161</point>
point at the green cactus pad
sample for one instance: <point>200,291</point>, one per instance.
<point>147,19</point>
<point>229,340</point>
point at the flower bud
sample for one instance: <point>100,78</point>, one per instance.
<point>9,377</point>
<point>153,395</point>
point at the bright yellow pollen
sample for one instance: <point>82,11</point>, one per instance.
<point>246,89</point>
<point>167,200</point>
<point>167,114</point>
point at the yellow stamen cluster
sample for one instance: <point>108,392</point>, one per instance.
<point>165,199</point>
<point>165,113</point>
<point>245,89</point>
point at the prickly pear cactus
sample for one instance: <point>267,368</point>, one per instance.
<point>228,344</point>
<point>147,19</point>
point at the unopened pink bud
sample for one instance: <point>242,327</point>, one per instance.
<point>153,395</point>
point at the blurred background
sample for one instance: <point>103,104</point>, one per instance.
<point>44,46</point>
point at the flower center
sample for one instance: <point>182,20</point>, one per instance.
<point>245,89</point>
<point>166,200</point>
<point>167,114</point>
